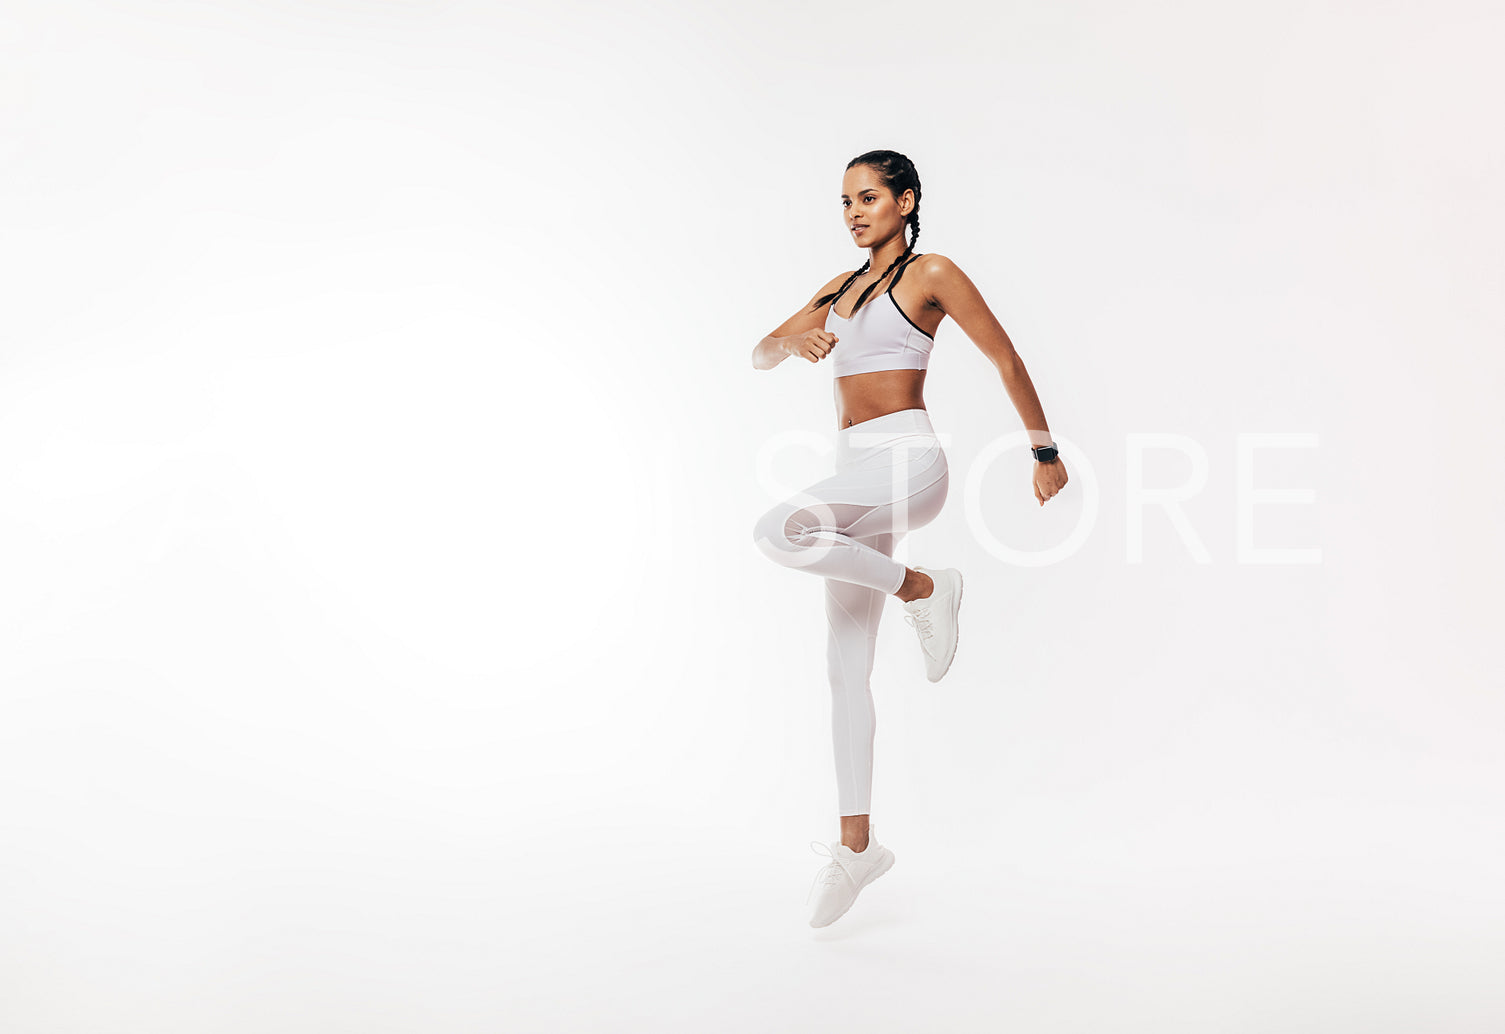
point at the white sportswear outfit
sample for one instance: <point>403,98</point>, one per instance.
<point>891,477</point>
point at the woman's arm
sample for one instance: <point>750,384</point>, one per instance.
<point>954,293</point>
<point>780,342</point>
<point>770,352</point>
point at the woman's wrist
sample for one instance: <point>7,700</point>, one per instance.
<point>1045,453</point>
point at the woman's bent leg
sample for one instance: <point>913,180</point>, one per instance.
<point>852,614</point>
<point>825,528</point>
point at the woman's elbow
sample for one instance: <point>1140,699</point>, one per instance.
<point>1007,362</point>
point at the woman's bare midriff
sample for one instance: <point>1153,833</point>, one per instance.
<point>863,396</point>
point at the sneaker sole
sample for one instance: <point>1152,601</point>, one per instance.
<point>956,606</point>
<point>883,867</point>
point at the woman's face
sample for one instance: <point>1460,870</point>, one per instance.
<point>871,213</point>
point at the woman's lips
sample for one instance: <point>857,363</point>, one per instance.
<point>858,229</point>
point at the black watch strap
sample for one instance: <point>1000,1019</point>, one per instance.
<point>1045,453</point>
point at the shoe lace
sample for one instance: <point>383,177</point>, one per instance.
<point>920,622</point>
<point>831,873</point>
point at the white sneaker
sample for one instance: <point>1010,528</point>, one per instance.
<point>846,874</point>
<point>934,618</point>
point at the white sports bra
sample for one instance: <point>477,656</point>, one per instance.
<point>885,339</point>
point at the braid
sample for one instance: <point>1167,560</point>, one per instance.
<point>898,174</point>
<point>869,289</point>
<point>831,298</point>
<point>914,214</point>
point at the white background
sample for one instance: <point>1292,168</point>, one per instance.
<point>384,643</point>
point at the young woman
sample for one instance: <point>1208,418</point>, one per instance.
<point>891,474</point>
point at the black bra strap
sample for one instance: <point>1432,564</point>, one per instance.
<point>900,273</point>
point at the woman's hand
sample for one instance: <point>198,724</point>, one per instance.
<point>1050,478</point>
<point>813,345</point>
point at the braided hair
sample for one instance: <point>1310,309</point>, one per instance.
<point>898,174</point>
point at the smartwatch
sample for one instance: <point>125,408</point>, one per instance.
<point>1045,453</point>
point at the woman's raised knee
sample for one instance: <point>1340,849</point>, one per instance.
<point>769,531</point>
<point>781,533</point>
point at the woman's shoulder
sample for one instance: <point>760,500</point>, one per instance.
<point>835,283</point>
<point>932,262</point>
<point>938,273</point>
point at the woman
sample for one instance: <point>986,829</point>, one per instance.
<point>891,475</point>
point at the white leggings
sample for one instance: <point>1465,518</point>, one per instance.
<point>891,477</point>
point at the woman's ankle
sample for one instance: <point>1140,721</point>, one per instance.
<point>917,586</point>
<point>854,832</point>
